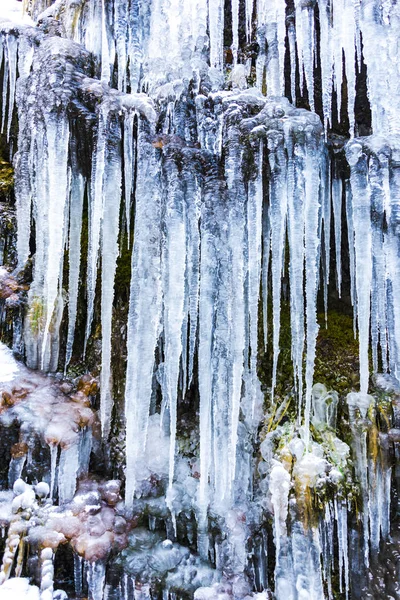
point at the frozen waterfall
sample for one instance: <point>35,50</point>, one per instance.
<point>200,187</point>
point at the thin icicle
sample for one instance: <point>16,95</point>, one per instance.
<point>326,216</point>
<point>350,236</point>
<point>312,249</point>
<point>361,206</point>
<point>265,268</point>
<point>109,255</point>
<point>337,215</point>
<point>95,214</point>
<point>216,25</point>
<point>278,204</point>
<point>193,202</point>
<point>326,60</point>
<point>12,49</point>
<point>292,52</point>
<point>254,228</point>
<point>129,157</point>
<point>57,130</point>
<point>5,90</point>
<point>235,30</point>
<point>207,303</point>
<point>173,269</point>
<point>305,46</point>
<point>74,256</point>
<point>295,194</point>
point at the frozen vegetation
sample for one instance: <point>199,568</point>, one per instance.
<point>184,171</point>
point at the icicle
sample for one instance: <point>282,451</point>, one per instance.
<point>296,267</point>
<point>312,209</point>
<point>121,28</point>
<point>96,210</point>
<point>47,574</point>
<point>249,18</point>
<point>337,214</point>
<point>129,153</point>
<point>57,133</point>
<point>15,469</point>
<point>109,255</point>
<point>341,520</point>
<point>275,29</point>
<point>279,486</point>
<point>207,303</point>
<point>235,29</point>
<point>361,206</point>
<point>193,200</point>
<point>12,48</point>
<point>216,25</point>
<point>105,51</point>
<point>232,352</point>
<point>278,207</point>
<point>134,44</point>
<point>11,547</point>
<point>254,234</point>
<point>359,404</point>
<point>292,52</point>
<point>326,529</point>
<point>144,307</point>
<point>75,227</point>
<point>67,473</point>
<point>53,467</point>
<point>337,10</point>
<point>5,90</point>
<point>380,203</point>
<point>265,268</point>
<point>326,59</point>
<point>173,268</point>
<point>326,216</point>
<point>349,39</point>
<point>305,46</point>
<point>23,196</point>
<point>78,583</point>
<point>96,580</point>
<point>350,237</point>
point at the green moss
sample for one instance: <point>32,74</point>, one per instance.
<point>337,363</point>
<point>36,315</point>
<point>6,179</point>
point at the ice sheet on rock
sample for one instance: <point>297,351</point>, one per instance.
<point>8,365</point>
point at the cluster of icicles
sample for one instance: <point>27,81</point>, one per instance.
<point>202,244</point>
<point>166,41</point>
<point>175,295</point>
<point>306,557</point>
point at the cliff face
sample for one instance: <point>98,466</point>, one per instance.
<point>209,273</point>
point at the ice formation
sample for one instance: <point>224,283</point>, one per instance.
<point>161,131</point>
